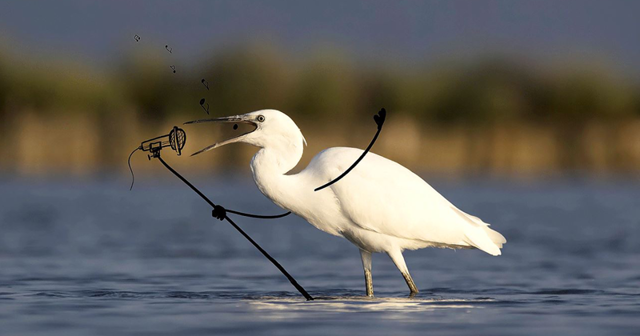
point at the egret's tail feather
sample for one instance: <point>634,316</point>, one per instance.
<point>496,237</point>
<point>479,235</point>
<point>479,238</point>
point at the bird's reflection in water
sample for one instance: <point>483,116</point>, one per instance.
<point>394,308</point>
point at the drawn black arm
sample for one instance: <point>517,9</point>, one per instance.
<point>379,119</point>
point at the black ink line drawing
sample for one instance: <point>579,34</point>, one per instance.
<point>176,139</point>
<point>168,49</point>
<point>202,102</point>
<point>136,37</point>
<point>379,119</point>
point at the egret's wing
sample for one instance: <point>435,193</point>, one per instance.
<point>382,196</point>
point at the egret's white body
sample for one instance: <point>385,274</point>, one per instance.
<point>380,206</point>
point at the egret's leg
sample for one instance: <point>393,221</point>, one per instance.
<point>398,259</point>
<point>366,264</point>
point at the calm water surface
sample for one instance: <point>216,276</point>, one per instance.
<point>92,258</point>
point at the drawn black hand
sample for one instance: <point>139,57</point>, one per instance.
<point>219,212</point>
<point>380,117</point>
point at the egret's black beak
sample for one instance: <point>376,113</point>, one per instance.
<point>238,119</point>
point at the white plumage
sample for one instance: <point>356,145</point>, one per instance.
<point>380,206</point>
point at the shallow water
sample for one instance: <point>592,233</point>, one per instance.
<point>92,258</point>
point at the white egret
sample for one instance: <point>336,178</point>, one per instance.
<point>380,206</point>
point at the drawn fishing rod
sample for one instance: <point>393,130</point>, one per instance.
<point>176,140</point>
<point>379,119</point>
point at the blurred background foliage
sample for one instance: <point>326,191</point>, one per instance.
<point>470,101</point>
<point>492,89</point>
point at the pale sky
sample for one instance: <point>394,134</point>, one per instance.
<point>97,32</point>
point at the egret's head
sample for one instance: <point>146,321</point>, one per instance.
<point>272,128</point>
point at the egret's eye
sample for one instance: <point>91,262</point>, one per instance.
<point>260,118</point>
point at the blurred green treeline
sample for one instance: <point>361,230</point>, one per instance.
<point>494,114</point>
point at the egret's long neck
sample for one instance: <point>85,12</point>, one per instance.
<point>269,166</point>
